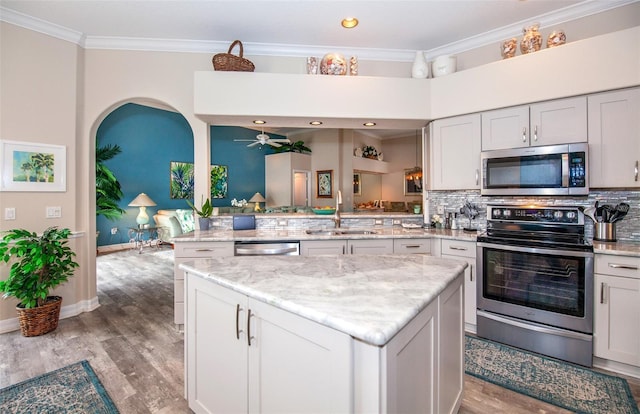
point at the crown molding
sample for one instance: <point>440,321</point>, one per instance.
<point>566,14</point>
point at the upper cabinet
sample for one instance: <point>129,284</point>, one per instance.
<point>454,153</point>
<point>561,121</point>
<point>614,139</point>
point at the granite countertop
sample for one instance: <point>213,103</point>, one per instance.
<point>370,298</point>
<point>621,248</point>
<point>381,232</point>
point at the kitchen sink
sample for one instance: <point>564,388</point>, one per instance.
<point>338,232</point>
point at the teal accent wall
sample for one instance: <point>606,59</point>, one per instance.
<point>150,139</point>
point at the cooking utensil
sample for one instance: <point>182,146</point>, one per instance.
<point>607,211</point>
<point>621,210</point>
<point>598,214</point>
<point>590,212</point>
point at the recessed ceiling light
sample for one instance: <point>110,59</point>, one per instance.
<point>369,124</point>
<point>315,123</point>
<point>349,22</point>
<point>259,122</point>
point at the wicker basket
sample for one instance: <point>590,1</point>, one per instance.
<point>229,62</point>
<point>40,320</point>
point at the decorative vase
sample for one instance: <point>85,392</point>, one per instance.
<point>532,39</point>
<point>444,65</point>
<point>203,222</point>
<point>508,48</point>
<point>353,66</point>
<point>419,70</point>
<point>333,64</point>
<point>556,38</point>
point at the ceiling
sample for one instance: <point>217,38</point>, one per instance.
<point>388,30</point>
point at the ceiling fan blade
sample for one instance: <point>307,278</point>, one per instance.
<point>273,144</point>
<point>254,143</point>
<point>281,140</point>
<point>244,140</point>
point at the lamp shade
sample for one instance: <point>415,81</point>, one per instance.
<point>257,198</point>
<point>142,200</point>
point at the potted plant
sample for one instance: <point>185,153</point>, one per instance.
<point>204,213</point>
<point>39,264</point>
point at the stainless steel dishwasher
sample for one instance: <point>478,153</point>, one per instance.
<point>267,248</point>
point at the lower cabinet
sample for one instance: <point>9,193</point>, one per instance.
<point>244,355</point>
<point>466,251</point>
<point>617,309</point>
<point>357,246</point>
<point>187,251</point>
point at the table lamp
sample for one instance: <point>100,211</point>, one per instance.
<point>257,198</point>
<point>143,201</point>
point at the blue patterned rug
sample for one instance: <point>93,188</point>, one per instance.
<point>559,383</point>
<point>72,389</point>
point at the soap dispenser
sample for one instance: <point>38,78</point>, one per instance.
<point>454,222</point>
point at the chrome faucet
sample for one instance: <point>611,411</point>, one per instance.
<point>336,216</point>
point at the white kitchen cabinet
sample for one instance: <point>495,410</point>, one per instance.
<point>617,309</point>
<point>357,246</point>
<point>412,246</point>
<point>561,121</point>
<point>184,252</point>
<point>466,251</point>
<point>614,139</point>
<point>454,153</point>
<point>246,356</point>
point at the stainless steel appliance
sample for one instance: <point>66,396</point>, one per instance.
<point>545,170</point>
<point>267,248</point>
<point>535,281</point>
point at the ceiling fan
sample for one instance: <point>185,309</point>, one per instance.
<point>263,139</point>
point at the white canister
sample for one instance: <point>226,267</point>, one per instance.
<point>443,65</point>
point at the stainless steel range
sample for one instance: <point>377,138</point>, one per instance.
<point>535,281</point>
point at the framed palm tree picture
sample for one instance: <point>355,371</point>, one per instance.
<point>181,180</point>
<point>28,166</point>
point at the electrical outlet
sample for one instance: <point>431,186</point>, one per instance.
<point>397,222</point>
<point>378,222</point>
<point>10,213</point>
<point>440,210</point>
<point>114,230</point>
<point>283,223</point>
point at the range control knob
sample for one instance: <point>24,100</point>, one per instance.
<point>558,214</point>
<point>497,212</point>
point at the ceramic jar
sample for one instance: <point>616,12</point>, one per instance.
<point>333,64</point>
<point>443,65</point>
<point>532,39</point>
<point>419,69</point>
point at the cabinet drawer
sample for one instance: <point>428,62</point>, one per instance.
<point>626,266</point>
<point>458,248</point>
<point>203,249</point>
<point>409,246</point>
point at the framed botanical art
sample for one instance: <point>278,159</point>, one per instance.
<point>28,166</point>
<point>219,175</point>
<point>182,181</point>
<point>357,184</point>
<point>323,184</point>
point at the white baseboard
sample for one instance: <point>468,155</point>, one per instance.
<point>110,248</point>
<point>618,367</point>
<point>12,324</point>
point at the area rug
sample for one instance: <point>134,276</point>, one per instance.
<point>72,389</point>
<point>562,384</point>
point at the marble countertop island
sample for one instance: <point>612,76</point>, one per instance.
<point>370,298</point>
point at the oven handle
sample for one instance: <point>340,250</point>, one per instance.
<point>550,252</point>
<point>534,326</point>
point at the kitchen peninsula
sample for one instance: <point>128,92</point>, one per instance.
<point>356,333</point>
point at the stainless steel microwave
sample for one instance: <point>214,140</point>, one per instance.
<point>546,170</point>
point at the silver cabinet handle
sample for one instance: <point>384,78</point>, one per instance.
<point>636,172</point>
<point>535,133</point>
<point>621,266</point>
<point>464,249</point>
<point>477,176</point>
<point>412,246</point>
<point>524,134</point>
<point>249,337</point>
<point>238,330</point>
<point>352,249</point>
<point>470,273</point>
<point>602,287</point>
<point>204,250</point>
<point>344,249</point>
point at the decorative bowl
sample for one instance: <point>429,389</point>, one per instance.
<point>324,211</point>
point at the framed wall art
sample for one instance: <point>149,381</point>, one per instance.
<point>28,166</point>
<point>323,184</point>
<point>181,180</point>
<point>357,184</point>
<point>219,176</point>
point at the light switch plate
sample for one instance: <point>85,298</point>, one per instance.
<point>10,213</point>
<point>54,212</point>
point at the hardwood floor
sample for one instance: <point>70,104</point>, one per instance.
<point>133,346</point>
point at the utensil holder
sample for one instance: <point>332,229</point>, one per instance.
<point>604,232</point>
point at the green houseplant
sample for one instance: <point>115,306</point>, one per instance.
<point>205,212</point>
<point>39,263</point>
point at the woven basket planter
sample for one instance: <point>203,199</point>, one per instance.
<point>41,320</point>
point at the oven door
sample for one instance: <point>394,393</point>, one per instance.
<point>548,286</point>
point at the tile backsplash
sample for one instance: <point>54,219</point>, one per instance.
<point>627,229</point>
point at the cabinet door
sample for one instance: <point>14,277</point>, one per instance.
<point>377,246</point>
<point>561,121</point>
<point>505,128</point>
<point>297,365</point>
<point>614,139</point>
<point>455,153</point>
<point>321,247</point>
<point>216,346</point>
<point>617,326</point>
<point>464,250</point>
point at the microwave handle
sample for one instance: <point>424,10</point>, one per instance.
<point>524,134</point>
<point>565,170</point>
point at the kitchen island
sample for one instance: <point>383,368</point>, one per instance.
<point>358,333</point>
